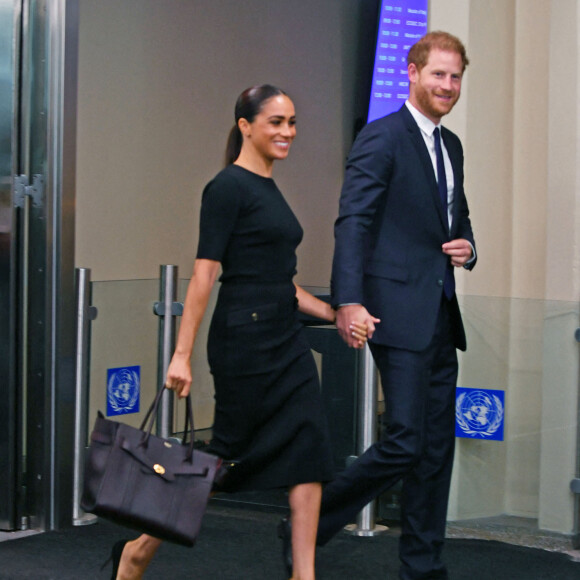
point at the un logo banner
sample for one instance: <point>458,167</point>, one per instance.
<point>123,390</point>
<point>479,413</point>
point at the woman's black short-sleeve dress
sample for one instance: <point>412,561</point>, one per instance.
<point>268,412</point>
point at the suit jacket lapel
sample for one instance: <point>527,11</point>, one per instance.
<point>456,165</point>
<point>425,159</point>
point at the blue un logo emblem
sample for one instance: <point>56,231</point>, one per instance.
<point>479,414</point>
<point>123,388</point>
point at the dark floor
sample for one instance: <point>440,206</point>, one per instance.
<point>508,529</point>
<point>238,542</point>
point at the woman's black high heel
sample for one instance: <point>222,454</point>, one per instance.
<point>115,557</point>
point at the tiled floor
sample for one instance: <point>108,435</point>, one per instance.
<point>4,536</point>
<point>513,530</point>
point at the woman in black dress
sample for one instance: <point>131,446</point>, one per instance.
<point>269,419</point>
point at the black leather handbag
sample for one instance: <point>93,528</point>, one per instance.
<point>156,486</point>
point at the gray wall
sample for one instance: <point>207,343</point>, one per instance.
<point>157,87</point>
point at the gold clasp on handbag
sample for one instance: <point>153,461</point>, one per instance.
<point>159,469</point>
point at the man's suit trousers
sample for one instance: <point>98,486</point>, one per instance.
<point>419,391</point>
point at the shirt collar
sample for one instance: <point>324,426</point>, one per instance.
<point>426,125</point>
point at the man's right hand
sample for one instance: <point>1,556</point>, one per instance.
<point>349,314</point>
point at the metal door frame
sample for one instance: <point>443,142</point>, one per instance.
<point>9,420</point>
<point>42,315</point>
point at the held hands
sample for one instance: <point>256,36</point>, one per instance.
<point>355,325</point>
<point>178,377</point>
<point>459,251</point>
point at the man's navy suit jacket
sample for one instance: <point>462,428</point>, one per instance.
<point>390,230</point>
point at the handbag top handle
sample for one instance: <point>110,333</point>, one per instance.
<point>151,416</point>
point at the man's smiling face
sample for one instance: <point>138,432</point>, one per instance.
<point>436,88</point>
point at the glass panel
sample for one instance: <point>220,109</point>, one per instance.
<point>527,349</point>
<point>125,334</point>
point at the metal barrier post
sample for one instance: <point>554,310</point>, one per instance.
<point>366,436</point>
<point>85,314</point>
<point>167,310</point>
<point>575,483</point>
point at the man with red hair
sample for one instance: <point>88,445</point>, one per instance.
<point>403,227</point>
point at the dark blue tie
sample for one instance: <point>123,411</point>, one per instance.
<point>449,280</point>
<point>441,177</point>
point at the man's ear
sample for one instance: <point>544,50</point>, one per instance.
<point>412,72</point>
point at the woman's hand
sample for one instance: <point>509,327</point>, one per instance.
<point>178,377</point>
<point>358,332</point>
<point>355,324</point>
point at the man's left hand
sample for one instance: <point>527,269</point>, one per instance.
<point>459,251</point>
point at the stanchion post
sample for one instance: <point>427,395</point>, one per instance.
<point>167,310</point>
<point>575,483</point>
<point>85,314</point>
<point>366,436</point>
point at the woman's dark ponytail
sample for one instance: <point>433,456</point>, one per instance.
<point>248,105</point>
<point>234,145</point>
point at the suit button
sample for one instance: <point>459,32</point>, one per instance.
<point>439,282</point>
<point>255,316</point>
